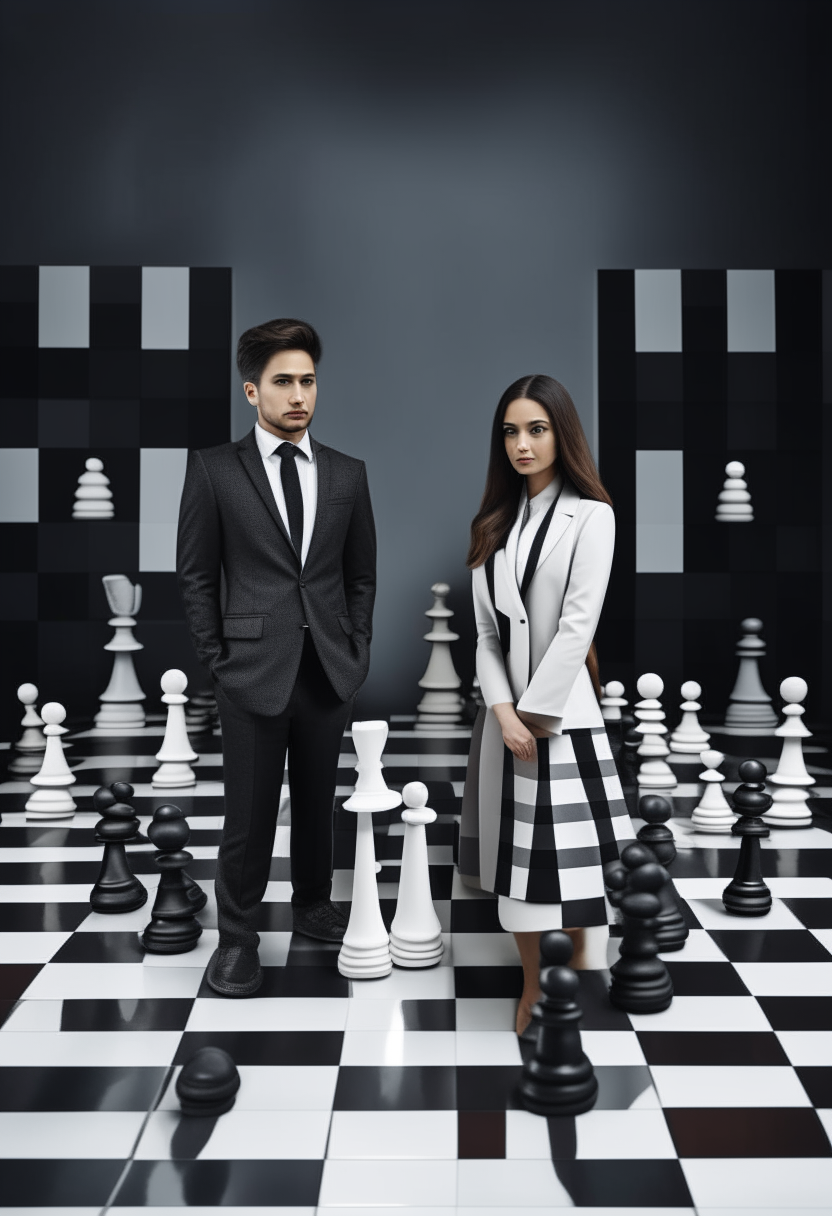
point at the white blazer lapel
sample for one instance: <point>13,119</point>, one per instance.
<point>564,514</point>
<point>506,591</point>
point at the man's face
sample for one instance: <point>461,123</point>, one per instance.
<point>285,397</point>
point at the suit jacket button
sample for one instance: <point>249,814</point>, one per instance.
<point>302,583</point>
<point>522,622</point>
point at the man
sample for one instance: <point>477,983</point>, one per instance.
<point>276,566</point>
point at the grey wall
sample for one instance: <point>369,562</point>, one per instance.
<point>433,185</point>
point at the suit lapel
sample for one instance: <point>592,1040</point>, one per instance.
<point>249,454</point>
<point>322,507</point>
<point>562,518</point>
<point>506,591</point>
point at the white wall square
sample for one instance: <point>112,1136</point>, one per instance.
<point>658,309</point>
<point>64,306</point>
<point>162,475</point>
<point>751,325</point>
<point>19,481</point>
<point>165,307</point>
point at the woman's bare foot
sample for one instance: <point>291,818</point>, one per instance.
<point>524,1010</point>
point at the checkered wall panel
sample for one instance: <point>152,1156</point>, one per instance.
<point>130,364</point>
<point>703,367</point>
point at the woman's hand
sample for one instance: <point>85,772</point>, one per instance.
<point>516,735</point>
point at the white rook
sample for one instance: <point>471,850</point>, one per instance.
<point>121,702</point>
<point>415,934</point>
<point>176,755</point>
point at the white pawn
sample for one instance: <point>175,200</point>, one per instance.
<point>93,498</point>
<point>734,505</point>
<point>176,754</point>
<point>791,780</point>
<point>32,743</point>
<point>655,773</point>
<point>52,799</point>
<point>689,739</point>
<point>712,813</point>
<point>415,934</point>
<point>441,704</point>
<point>750,710</point>
<point>612,701</point>
<point>365,950</point>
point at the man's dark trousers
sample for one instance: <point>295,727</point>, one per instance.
<point>254,754</point>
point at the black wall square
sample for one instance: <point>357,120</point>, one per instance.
<point>751,547</point>
<point>704,311</point>
<point>617,311</point>
<point>659,425</point>
<point>659,596</point>
<point>164,373</point>
<point>18,422</point>
<point>113,547</point>
<point>798,549</point>
<point>72,666</point>
<point>210,311</point>
<point>704,428</point>
<point>707,597</point>
<point>617,377</point>
<point>64,547</point>
<point>207,423</point>
<point>63,597</point>
<point>18,597</point>
<point>19,325</point>
<point>115,326</point>
<point>18,547</point>
<point>114,424</point>
<point>163,424</point>
<point>19,284</point>
<point>20,645</point>
<point>659,377</point>
<point>209,374</point>
<point>617,420</point>
<point>19,372</point>
<point>115,373</point>
<point>160,596</point>
<point>59,472</point>
<point>706,546</point>
<point>704,377</point>
<point>64,424</point>
<point>63,373</point>
<point>798,295</point>
<point>116,285</point>
<point>753,593</point>
<point>751,377</point>
<point>753,427</point>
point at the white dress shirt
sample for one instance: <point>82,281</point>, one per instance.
<point>528,524</point>
<point>307,474</point>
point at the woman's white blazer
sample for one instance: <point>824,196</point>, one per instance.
<point>545,673</point>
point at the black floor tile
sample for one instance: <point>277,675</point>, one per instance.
<point>626,1184</point>
<point>712,1047</point>
<point>813,913</point>
<point>705,979</point>
<point>15,978</point>
<point>417,1087</point>
<point>41,918</point>
<point>488,981</point>
<point>488,1087</point>
<point>619,1086</point>
<point>593,999</point>
<point>101,947</point>
<point>481,1134</point>
<point>293,981</point>
<point>797,1012</point>
<point>273,918</point>
<point>748,1132</point>
<point>147,1013</point>
<point>429,1015</point>
<point>36,1182</point>
<point>264,1047</point>
<point>475,916</point>
<point>262,1184</point>
<point>818,1085</point>
<point>770,946</point>
<point>82,1088</point>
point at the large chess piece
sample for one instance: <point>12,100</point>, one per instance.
<point>173,928</point>
<point>196,896</point>
<point>734,502</point>
<point>640,980</point>
<point>655,772</point>
<point>791,780</point>
<point>750,710</point>
<point>93,497</point>
<point>117,889</point>
<point>365,950</point>
<point>689,739</point>
<point>656,843</point>
<point>415,934</point>
<point>441,705</point>
<point>208,1083</point>
<point>746,893</point>
<point>121,708</point>
<point>32,743</point>
<point>176,754</point>
<point>52,799</point>
<point>558,1079</point>
<point>712,813</point>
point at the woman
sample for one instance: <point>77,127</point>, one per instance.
<point>543,809</point>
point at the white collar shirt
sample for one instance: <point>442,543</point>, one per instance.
<point>530,515</point>
<point>307,475</point>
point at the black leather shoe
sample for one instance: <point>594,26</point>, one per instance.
<point>324,921</point>
<point>233,971</point>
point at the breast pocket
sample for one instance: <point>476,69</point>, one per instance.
<point>242,626</point>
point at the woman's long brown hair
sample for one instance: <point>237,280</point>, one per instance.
<point>503,484</point>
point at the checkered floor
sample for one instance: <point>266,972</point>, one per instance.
<point>398,1094</point>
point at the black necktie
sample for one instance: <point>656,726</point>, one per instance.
<point>290,481</point>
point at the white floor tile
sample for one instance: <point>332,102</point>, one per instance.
<point>612,1047</point>
<point>361,1210</point>
<point>48,1134</point>
<point>807,1047</point>
<point>51,893</point>
<point>393,1134</point>
<point>485,950</point>
<point>700,888</point>
<point>512,1184</point>
<point>461,890</point>
<point>178,1211</point>
<point>711,914</point>
<point>487,1047</point>
<point>728,1085</point>
<point>632,1132</point>
<point>801,888</point>
<point>125,922</point>
<point>91,1048</point>
<point>825,1117</point>
<point>824,936</point>
<point>30,947</point>
<point>257,1135</point>
<point>113,980</point>
<point>400,1182</point>
<point>275,1087</point>
<point>705,1013</point>
<point>435,983</point>
<point>375,1015</point>
<point>198,957</point>
<point>699,948</point>
<point>527,1137</point>
<point>393,1047</point>
<point>786,979</point>
<point>34,1015</point>
<point>485,1013</point>
<point>270,1013</point>
<point>759,1183</point>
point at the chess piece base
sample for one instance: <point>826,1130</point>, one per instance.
<point>416,954</point>
<point>747,898</point>
<point>359,964</point>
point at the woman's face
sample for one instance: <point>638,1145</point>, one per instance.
<point>529,438</point>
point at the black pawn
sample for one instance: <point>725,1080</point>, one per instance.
<point>208,1083</point>
<point>746,893</point>
<point>194,891</point>
<point>558,1079</point>
<point>640,980</point>
<point>173,928</point>
<point>123,792</point>
<point>671,930</point>
<point>117,888</point>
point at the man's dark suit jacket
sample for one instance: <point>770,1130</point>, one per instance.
<point>246,598</point>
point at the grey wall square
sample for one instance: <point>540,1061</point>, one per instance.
<point>18,485</point>
<point>165,307</point>
<point>658,306</point>
<point>659,549</point>
<point>64,306</point>
<point>659,486</point>
<point>751,310</point>
<point>64,424</point>
<point>161,479</point>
